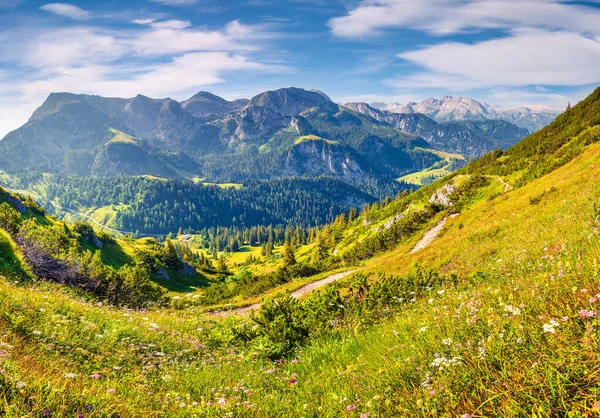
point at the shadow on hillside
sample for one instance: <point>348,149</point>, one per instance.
<point>182,283</point>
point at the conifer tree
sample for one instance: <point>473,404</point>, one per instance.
<point>289,258</point>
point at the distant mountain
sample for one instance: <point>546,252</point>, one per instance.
<point>209,106</point>
<point>472,139</point>
<point>448,108</point>
<point>281,133</point>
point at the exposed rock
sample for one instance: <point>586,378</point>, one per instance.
<point>390,223</point>
<point>448,108</point>
<point>441,197</point>
<point>470,138</point>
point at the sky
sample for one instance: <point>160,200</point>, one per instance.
<point>505,52</point>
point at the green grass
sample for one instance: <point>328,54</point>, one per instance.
<point>437,171</point>
<point>11,263</point>
<point>307,138</point>
<point>123,137</point>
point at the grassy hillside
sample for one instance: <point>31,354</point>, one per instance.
<point>495,316</point>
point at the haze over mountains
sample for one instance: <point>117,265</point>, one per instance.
<point>283,133</point>
<point>448,108</point>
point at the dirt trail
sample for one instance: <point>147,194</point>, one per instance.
<point>296,294</point>
<point>507,187</point>
<point>430,235</point>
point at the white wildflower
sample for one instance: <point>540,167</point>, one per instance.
<point>513,310</point>
<point>550,327</point>
<point>447,341</point>
<point>443,362</point>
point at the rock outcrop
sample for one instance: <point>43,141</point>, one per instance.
<point>442,196</point>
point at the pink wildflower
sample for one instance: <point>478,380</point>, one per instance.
<point>351,407</point>
<point>585,314</point>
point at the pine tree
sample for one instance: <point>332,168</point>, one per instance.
<point>170,257</point>
<point>289,258</point>
<point>322,250</point>
<point>222,264</point>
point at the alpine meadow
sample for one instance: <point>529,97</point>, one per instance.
<point>411,231</point>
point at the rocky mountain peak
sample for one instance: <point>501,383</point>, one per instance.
<point>290,101</point>
<point>208,105</point>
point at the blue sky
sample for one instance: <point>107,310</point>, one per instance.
<point>507,52</point>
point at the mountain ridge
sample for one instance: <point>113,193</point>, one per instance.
<point>449,108</point>
<point>227,141</point>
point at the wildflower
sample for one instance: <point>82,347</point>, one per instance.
<point>182,405</point>
<point>295,361</point>
<point>351,407</point>
<point>365,415</point>
<point>292,381</point>
<point>271,371</point>
<point>396,332</point>
<point>80,416</point>
<point>70,376</point>
<point>465,416</point>
<point>46,412</point>
<point>513,310</point>
<point>585,314</point>
<point>36,332</point>
<point>111,390</point>
<point>441,292</point>
<point>550,327</point>
<point>423,329</point>
<point>221,401</point>
<point>21,385</point>
<point>447,341</point>
<point>443,362</point>
<point>96,376</point>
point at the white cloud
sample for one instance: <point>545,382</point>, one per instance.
<point>66,10</point>
<point>72,47</point>
<point>158,59</point>
<point>530,57</point>
<point>443,17</point>
<point>176,3</point>
<point>143,21</point>
<point>183,74</point>
<point>171,24</point>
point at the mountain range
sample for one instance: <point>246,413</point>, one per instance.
<point>283,133</point>
<point>448,108</point>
